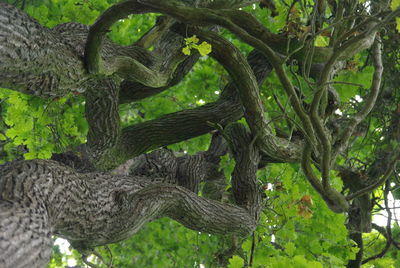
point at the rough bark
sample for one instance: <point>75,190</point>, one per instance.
<point>39,198</point>
<point>43,197</point>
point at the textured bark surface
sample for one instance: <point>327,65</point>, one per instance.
<point>81,199</point>
<point>43,197</point>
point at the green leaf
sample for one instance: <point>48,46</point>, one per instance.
<point>290,248</point>
<point>186,50</point>
<point>247,245</point>
<point>395,4</point>
<point>321,41</point>
<point>30,155</point>
<point>192,40</point>
<point>12,133</point>
<point>236,262</point>
<point>204,48</point>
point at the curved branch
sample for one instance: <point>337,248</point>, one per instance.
<point>186,124</point>
<point>102,115</point>
<point>97,32</point>
<point>51,65</point>
<point>39,198</point>
<point>167,49</point>
<point>335,200</point>
<point>34,60</point>
<point>369,104</point>
<point>246,84</point>
<point>127,67</point>
<point>124,66</point>
<point>382,180</point>
<point>245,189</point>
<point>227,18</point>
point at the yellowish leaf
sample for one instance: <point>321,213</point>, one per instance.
<point>192,40</point>
<point>321,41</point>
<point>395,4</point>
<point>204,48</point>
<point>398,24</point>
<point>186,50</point>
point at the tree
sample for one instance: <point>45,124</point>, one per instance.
<point>304,132</point>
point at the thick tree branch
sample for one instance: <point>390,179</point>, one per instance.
<point>246,191</point>
<point>102,114</point>
<point>186,124</point>
<point>92,209</point>
<point>244,31</point>
<point>33,59</point>
<point>51,65</point>
<point>246,83</point>
<point>126,67</point>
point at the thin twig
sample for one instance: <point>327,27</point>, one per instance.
<point>383,179</point>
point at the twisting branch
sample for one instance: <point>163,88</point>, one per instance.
<point>246,191</point>
<point>345,136</point>
<point>126,67</point>
<point>186,124</point>
<point>110,159</point>
<point>318,104</point>
<point>382,180</point>
<point>167,50</point>
<point>207,16</point>
<point>250,31</point>
<point>116,206</point>
<point>247,87</point>
<point>102,114</point>
<point>53,65</point>
<point>98,30</point>
<point>258,123</point>
<point>335,200</point>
